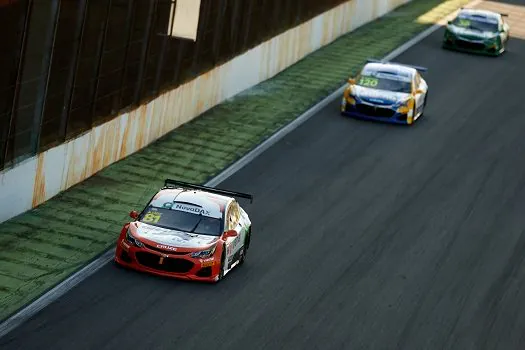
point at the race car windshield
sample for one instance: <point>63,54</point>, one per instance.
<point>480,26</point>
<point>384,83</point>
<point>181,221</point>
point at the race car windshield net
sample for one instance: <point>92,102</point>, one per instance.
<point>383,83</point>
<point>477,25</point>
<point>181,221</point>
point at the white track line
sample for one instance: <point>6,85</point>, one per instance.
<point>66,285</point>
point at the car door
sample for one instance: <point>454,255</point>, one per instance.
<point>233,244</point>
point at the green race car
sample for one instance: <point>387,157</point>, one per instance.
<point>477,31</point>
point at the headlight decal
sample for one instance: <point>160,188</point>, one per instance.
<point>204,253</point>
<point>406,106</point>
<point>348,96</point>
<point>133,240</point>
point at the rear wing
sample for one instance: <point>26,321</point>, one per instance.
<point>501,14</point>
<point>418,68</point>
<point>168,183</point>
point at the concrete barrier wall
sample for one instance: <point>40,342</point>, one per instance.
<point>44,176</point>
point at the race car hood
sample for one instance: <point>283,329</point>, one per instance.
<point>172,238</point>
<point>470,34</point>
<point>379,97</point>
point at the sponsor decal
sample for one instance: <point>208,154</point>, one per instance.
<point>167,205</point>
<point>166,247</point>
<point>368,81</point>
<point>152,217</point>
<point>125,245</point>
<point>192,209</point>
<point>232,245</point>
<point>376,100</point>
<point>207,262</point>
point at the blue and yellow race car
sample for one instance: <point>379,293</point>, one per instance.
<point>386,91</point>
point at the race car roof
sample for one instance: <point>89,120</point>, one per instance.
<point>481,15</point>
<point>403,72</point>
<point>192,201</point>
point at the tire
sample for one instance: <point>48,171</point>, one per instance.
<point>413,115</point>
<point>223,264</point>
<point>245,247</point>
<point>424,106</point>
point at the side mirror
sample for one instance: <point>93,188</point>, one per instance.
<point>134,214</point>
<point>230,233</point>
<point>351,81</point>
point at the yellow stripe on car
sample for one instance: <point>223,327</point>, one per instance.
<point>407,107</point>
<point>349,99</point>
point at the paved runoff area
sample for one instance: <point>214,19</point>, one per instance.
<point>411,213</point>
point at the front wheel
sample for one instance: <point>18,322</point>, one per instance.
<point>222,267</point>
<point>424,105</point>
<point>245,247</point>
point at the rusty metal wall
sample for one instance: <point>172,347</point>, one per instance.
<point>70,65</point>
<point>40,178</point>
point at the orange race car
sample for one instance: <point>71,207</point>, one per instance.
<point>187,231</point>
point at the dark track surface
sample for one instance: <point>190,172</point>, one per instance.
<point>365,236</point>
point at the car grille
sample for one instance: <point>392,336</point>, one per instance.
<point>204,272</point>
<point>168,265</point>
<point>124,256</point>
<point>375,111</point>
<point>402,118</point>
<point>469,45</point>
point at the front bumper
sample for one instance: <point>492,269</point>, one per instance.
<point>367,112</point>
<point>490,49</point>
<point>167,264</point>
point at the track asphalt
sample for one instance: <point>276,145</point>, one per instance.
<point>45,245</point>
<point>365,236</point>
